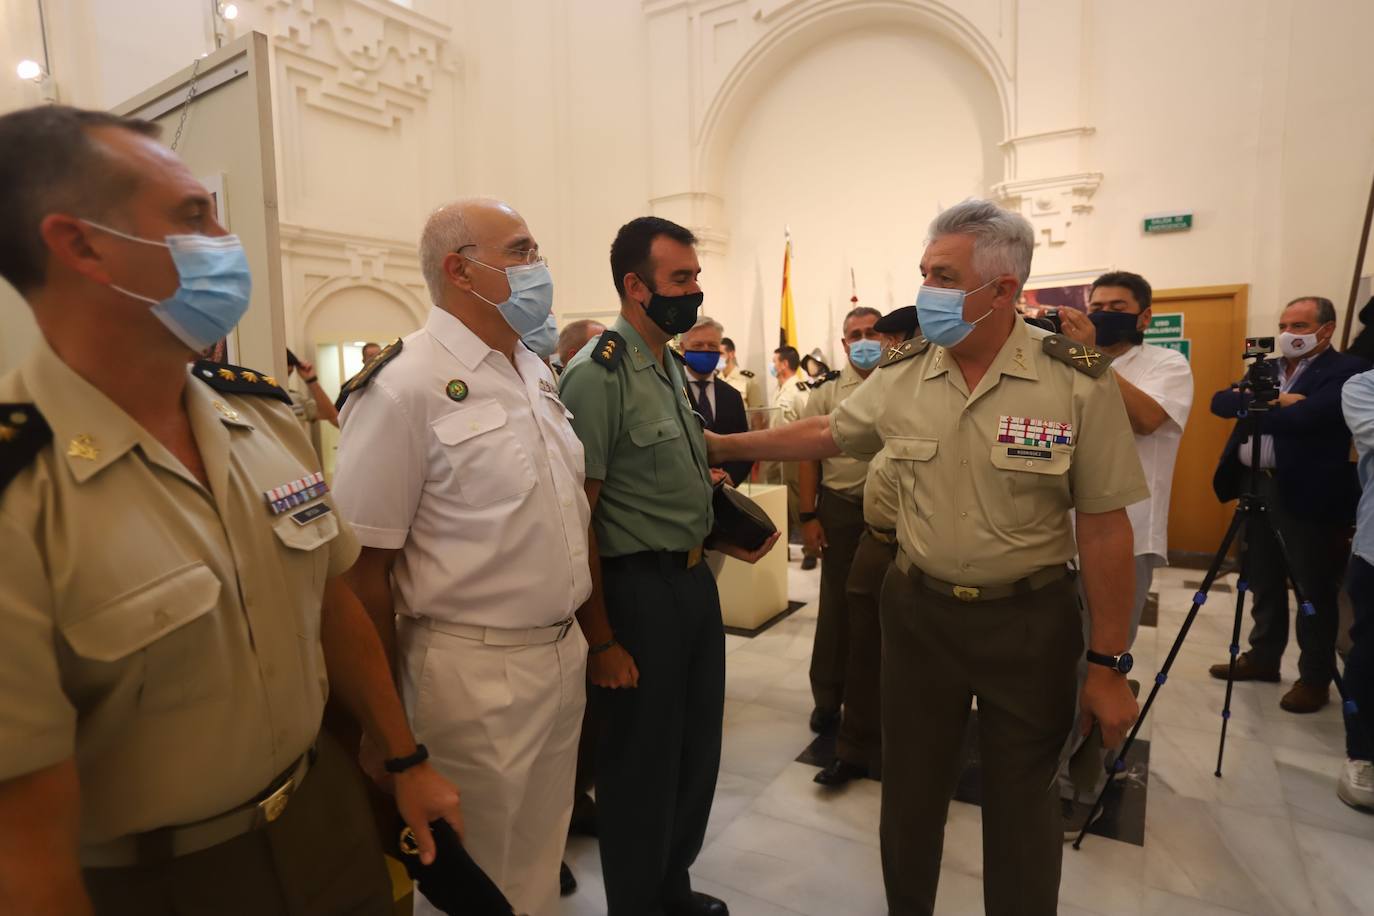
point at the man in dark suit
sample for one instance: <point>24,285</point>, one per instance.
<point>719,404</point>
<point>1306,479</point>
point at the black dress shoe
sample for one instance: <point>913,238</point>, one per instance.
<point>825,721</point>
<point>808,562</point>
<point>566,882</point>
<point>838,772</point>
<point>699,905</point>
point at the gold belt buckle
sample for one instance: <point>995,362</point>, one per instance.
<point>966,593</point>
<point>693,557</point>
<point>273,805</point>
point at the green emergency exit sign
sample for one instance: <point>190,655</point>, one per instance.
<point>1184,346</point>
<point>1169,222</point>
<point>1164,326</point>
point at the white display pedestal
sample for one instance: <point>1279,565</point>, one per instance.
<point>752,594</point>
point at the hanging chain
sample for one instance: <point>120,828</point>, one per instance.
<point>186,109</point>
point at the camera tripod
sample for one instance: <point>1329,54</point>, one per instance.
<point>1251,507</point>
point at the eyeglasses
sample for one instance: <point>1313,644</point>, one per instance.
<point>526,256</point>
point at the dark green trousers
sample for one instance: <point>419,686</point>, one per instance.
<point>1018,657</point>
<point>860,736</point>
<point>660,748</point>
<point>843,521</point>
<point>320,858</point>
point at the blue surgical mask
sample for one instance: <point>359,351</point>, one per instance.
<point>702,362</point>
<point>543,340</point>
<point>213,290</point>
<point>773,371</point>
<point>531,296</point>
<point>721,363</point>
<point>864,354</point>
<point>940,312</point>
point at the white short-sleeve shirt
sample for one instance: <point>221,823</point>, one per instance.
<point>1164,375</point>
<point>478,483</point>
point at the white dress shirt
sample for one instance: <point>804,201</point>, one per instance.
<point>1164,375</point>
<point>483,495</point>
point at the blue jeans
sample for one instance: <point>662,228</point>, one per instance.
<point>1359,664</point>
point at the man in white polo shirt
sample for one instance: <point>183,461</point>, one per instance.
<point>464,481</point>
<point>1157,387</point>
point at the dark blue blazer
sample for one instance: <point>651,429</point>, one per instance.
<point>729,417</point>
<point>1311,444</point>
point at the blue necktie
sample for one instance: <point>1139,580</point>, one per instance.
<point>704,403</point>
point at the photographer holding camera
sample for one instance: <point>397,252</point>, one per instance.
<point>1304,475</point>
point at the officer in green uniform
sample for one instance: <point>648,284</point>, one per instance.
<point>653,620</point>
<point>1001,436</point>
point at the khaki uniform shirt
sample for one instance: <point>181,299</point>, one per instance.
<point>165,635</point>
<point>842,474</point>
<point>644,443</point>
<point>791,398</point>
<point>881,503</point>
<point>748,386</point>
<point>987,479</point>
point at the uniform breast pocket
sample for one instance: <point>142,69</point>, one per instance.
<point>165,627</point>
<point>1033,484</point>
<point>488,460</point>
<point>663,441</point>
<point>913,462</point>
<point>306,534</point>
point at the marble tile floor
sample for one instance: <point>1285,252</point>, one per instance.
<point>1270,837</point>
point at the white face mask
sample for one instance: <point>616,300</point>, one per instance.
<point>1297,346</point>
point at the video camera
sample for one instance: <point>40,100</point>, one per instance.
<point>1048,319</point>
<point>1261,379</point>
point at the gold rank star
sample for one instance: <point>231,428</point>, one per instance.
<point>83,446</point>
<point>227,374</point>
<point>270,380</point>
<point>7,432</point>
<point>251,377</point>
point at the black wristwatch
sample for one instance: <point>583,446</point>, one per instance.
<point>1122,663</point>
<point>401,764</point>
<point>806,516</point>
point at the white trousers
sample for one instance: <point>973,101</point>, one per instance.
<point>501,722</point>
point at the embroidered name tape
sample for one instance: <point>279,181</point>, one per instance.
<point>299,491</point>
<point>1040,454</point>
<point>1026,431</point>
<point>311,513</point>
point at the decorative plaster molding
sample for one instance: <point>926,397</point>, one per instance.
<point>1063,134</point>
<point>1052,204</point>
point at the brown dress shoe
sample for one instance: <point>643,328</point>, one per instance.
<point>1305,697</point>
<point>1246,670</point>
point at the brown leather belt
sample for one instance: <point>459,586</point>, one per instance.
<point>168,843</point>
<point>1035,581</point>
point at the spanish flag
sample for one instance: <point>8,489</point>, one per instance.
<point>787,323</point>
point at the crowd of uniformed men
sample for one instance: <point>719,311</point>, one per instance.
<point>182,592</point>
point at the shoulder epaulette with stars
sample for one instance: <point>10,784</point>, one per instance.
<point>369,371</point>
<point>1085,359</point>
<point>238,380</point>
<point>905,350</point>
<point>609,350</point>
<point>828,377</point>
<point>23,434</point>
<point>746,373</point>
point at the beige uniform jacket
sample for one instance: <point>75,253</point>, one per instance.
<point>791,398</point>
<point>986,479</point>
<point>748,385</point>
<point>166,635</point>
<point>842,474</point>
<point>881,494</point>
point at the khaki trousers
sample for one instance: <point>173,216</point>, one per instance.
<point>502,723</point>
<point>1018,656</point>
<point>320,858</point>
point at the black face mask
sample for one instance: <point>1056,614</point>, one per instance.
<point>1114,327</point>
<point>673,314</point>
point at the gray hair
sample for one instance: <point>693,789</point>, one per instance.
<point>706,321</point>
<point>445,232</point>
<point>1326,309</point>
<point>1003,241</point>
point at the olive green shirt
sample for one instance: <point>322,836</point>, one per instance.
<point>842,474</point>
<point>978,510</point>
<point>644,443</point>
<point>164,634</point>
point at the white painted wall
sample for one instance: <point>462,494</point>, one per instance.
<point>848,120</point>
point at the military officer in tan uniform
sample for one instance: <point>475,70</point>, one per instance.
<point>170,598</point>
<point>998,431</point>
<point>747,383</point>
<point>830,502</point>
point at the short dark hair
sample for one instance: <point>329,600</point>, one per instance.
<point>728,344</point>
<point>50,164</point>
<point>1326,309</point>
<point>630,250</point>
<point>790,356</point>
<point>861,311</point>
<point>1138,285</point>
